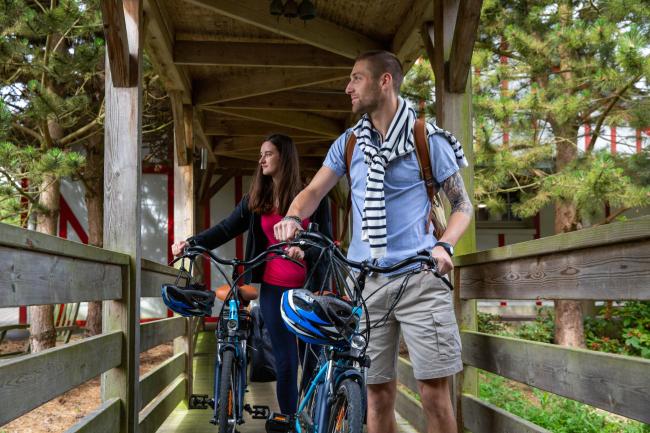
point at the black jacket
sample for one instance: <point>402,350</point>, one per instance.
<point>242,219</point>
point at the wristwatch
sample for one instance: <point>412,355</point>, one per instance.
<point>447,247</point>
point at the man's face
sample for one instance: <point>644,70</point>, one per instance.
<point>363,88</point>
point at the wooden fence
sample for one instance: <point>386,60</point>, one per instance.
<point>610,262</point>
<point>37,269</point>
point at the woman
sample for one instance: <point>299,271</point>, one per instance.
<point>275,184</point>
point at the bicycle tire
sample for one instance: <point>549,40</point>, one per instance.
<point>226,389</point>
<point>346,414</point>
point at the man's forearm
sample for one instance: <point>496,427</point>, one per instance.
<point>456,226</point>
<point>304,204</point>
<point>461,208</point>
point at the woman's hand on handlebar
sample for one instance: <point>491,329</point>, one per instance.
<point>179,247</point>
<point>295,253</point>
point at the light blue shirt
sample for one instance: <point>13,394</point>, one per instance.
<point>407,204</point>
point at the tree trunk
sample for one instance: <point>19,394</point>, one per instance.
<point>95,205</point>
<point>42,332</point>
<point>569,327</point>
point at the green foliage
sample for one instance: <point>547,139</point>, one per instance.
<point>627,332</point>
<point>566,64</point>
<point>542,329</point>
<point>557,414</point>
<point>490,323</point>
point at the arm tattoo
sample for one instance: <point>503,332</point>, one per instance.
<point>454,189</point>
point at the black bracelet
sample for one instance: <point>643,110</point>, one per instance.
<point>293,218</point>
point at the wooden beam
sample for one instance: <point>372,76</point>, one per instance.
<point>153,276</point>
<point>161,331</point>
<point>319,32</point>
<point>296,120</point>
<point>123,219</point>
<point>159,45</point>
<point>261,82</point>
<point>483,417</point>
<point>615,383</point>
<point>249,128</point>
<point>156,412</point>
<point>35,278</point>
<point>237,163</point>
<point>117,46</point>
<point>300,100</point>
<point>181,146</point>
<point>220,183</point>
<point>619,271</point>
<point>407,44</point>
<point>156,380</point>
<point>31,380</point>
<point>104,419</point>
<point>206,179</point>
<point>635,230</point>
<point>247,54</point>
<point>199,134</point>
<point>462,47</point>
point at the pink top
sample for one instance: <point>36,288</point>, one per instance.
<point>280,272</point>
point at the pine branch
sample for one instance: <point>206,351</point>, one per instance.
<point>80,132</point>
<point>27,131</point>
<point>619,93</point>
<point>17,187</point>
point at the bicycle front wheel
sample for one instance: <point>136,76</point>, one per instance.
<point>346,414</point>
<point>227,393</point>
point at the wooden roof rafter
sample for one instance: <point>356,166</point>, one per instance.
<point>259,54</point>
<point>261,82</point>
<point>320,33</point>
<point>290,100</point>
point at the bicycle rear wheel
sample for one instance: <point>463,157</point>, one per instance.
<point>227,394</point>
<point>346,414</point>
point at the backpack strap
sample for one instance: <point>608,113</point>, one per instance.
<point>437,213</point>
<point>349,150</point>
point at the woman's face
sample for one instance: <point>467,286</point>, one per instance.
<point>269,159</point>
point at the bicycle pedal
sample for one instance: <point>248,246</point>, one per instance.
<point>258,411</point>
<point>200,401</point>
<point>279,423</point>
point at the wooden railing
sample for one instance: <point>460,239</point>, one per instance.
<point>610,262</point>
<point>37,269</point>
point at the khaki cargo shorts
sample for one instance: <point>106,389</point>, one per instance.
<point>424,315</point>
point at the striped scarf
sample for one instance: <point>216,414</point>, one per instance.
<point>399,141</point>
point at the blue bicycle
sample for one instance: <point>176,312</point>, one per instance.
<point>233,329</point>
<point>334,401</point>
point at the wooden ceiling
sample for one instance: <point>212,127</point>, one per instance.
<point>236,73</point>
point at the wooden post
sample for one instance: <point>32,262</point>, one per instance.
<point>454,113</point>
<point>122,215</point>
<point>184,227</point>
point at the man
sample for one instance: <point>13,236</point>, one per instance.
<point>389,212</point>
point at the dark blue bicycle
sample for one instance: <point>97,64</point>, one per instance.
<point>335,399</point>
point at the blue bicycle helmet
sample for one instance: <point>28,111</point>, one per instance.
<point>188,302</point>
<point>325,320</point>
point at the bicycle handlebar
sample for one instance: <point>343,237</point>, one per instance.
<point>422,257</point>
<point>196,250</point>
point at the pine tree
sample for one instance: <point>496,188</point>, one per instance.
<point>568,63</point>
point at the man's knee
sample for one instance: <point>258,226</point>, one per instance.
<point>435,391</point>
<point>381,396</point>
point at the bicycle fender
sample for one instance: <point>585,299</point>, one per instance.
<point>349,374</point>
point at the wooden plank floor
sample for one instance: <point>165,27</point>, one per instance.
<point>197,420</point>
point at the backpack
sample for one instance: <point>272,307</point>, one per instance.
<point>437,213</point>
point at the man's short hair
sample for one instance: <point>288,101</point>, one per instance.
<point>380,62</point>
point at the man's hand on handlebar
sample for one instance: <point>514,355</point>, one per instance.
<point>179,247</point>
<point>286,229</point>
<point>444,263</point>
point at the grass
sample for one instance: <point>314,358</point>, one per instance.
<point>555,413</point>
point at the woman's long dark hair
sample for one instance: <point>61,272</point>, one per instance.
<point>261,195</point>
